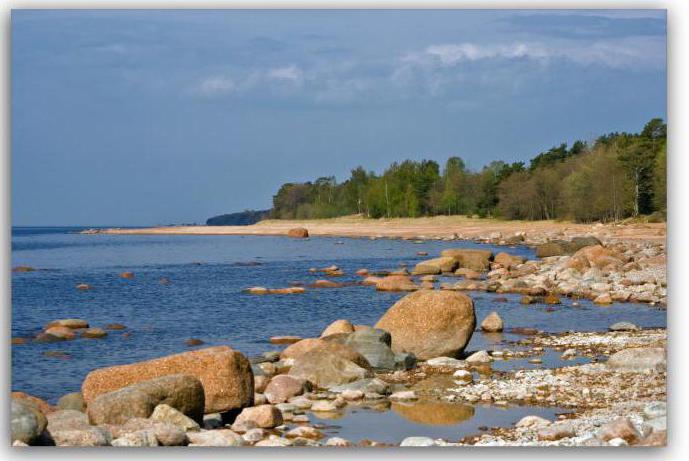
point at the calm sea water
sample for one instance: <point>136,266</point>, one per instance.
<point>205,300</point>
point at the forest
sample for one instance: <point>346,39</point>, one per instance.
<point>616,176</point>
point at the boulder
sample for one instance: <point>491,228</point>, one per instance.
<point>67,420</point>
<point>553,248</point>
<point>338,326</point>
<point>183,392</point>
<point>167,435</point>
<point>62,333</point>
<point>603,299</point>
<point>508,261</point>
<point>298,232</point>
<point>166,414</point>
<point>435,266</point>
<point>281,388</point>
<point>600,257</point>
<point>264,416</point>
<point>430,323</point>
<point>298,349</point>
<point>374,344</point>
<point>88,437</point>
<point>492,323</point>
<point>479,357</point>
<point>27,423</point>
<point>284,339</point>
<point>395,283</point>
<point>621,428</point>
<point>72,401</point>
<point>225,374</point>
<point>40,404</point>
<point>478,260</point>
<point>68,323</point>
<point>94,333</point>
<point>325,369</point>
<point>638,359</point>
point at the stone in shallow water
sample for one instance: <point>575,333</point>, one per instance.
<point>532,421</point>
<point>417,442</point>
<point>479,357</point>
<point>623,326</point>
<point>365,385</point>
<point>404,395</point>
<point>446,362</point>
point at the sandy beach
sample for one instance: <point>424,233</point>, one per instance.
<point>432,227</point>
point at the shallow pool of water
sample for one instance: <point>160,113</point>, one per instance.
<point>438,420</point>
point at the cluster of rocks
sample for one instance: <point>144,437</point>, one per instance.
<point>216,396</point>
<point>69,329</point>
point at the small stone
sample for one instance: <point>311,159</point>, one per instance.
<point>143,438</point>
<point>446,362</point>
<point>115,326</point>
<point>603,299</point>
<point>556,432</point>
<point>274,442</point>
<point>212,421</point>
<point>127,275</point>
<point>655,410</point>
<point>306,432</point>
<point>623,326</point>
<point>193,342</point>
<point>91,437</point>
<point>403,396</point>
<point>166,414</point>
<point>323,405</point>
<point>492,323</point>
<point>417,442</point>
<point>337,442</point>
<point>352,394</point>
<point>569,354</point>
<point>479,357</point>
<point>532,421</point>
<point>463,376</point>
<point>215,438</point>
<point>265,416</point>
<point>254,435</point>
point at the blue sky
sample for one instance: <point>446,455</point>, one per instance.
<point>154,117</point>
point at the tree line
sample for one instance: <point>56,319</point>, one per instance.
<point>618,175</point>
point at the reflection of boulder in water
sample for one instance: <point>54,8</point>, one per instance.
<point>435,413</point>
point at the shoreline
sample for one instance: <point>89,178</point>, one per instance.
<point>452,227</point>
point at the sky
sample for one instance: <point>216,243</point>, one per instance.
<point>154,117</point>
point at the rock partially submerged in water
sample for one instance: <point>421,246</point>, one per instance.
<point>298,232</point>
<point>284,339</point>
<point>281,388</point>
<point>395,283</point>
<point>478,260</point>
<point>275,291</point>
<point>74,324</point>
<point>430,323</point>
<point>225,374</point>
<point>492,323</point>
<point>435,266</point>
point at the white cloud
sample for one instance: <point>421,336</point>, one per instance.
<point>290,73</point>
<point>216,85</point>
<point>629,52</point>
